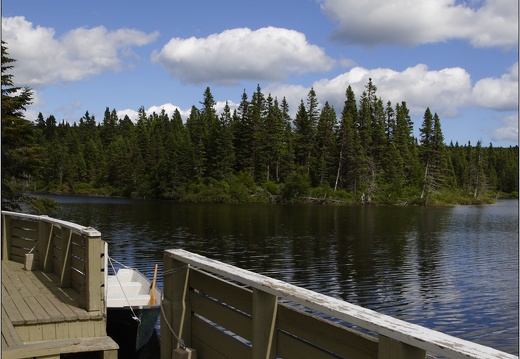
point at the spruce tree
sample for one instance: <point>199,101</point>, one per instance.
<point>243,136</point>
<point>326,146</point>
<point>349,145</point>
<point>20,153</point>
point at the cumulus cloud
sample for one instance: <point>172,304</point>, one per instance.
<point>266,54</point>
<point>404,22</point>
<point>444,91</point>
<point>508,131</point>
<point>498,93</point>
<point>170,108</point>
<point>44,59</point>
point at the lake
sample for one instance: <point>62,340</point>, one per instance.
<point>452,269</point>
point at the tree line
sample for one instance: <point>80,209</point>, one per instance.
<point>259,153</point>
<point>366,153</point>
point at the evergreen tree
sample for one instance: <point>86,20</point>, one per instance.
<point>20,154</point>
<point>305,124</point>
<point>109,128</point>
<point>286,165</point>
<point>198,135</point>
<point>348,144</point>
<point>477,174</point>
<point>243,136</point>
<point>433,155</point>
<point>223,155</point>
<point>326,145</point>
<point>274,140</point>
<point>257,118</point>
<point>182,165</point>
<point>370,113</point>
<point>406,143</point>
<point>208,137</point>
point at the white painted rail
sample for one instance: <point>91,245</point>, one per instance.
<point>413,335</point>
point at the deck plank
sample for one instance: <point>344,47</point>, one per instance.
<point>9,308</point>
<point>50,313</point>
<point>31,297</point>
<point>12,287</point>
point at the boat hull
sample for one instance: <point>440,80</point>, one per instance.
<point>131,318</point>
<point>131,334</point>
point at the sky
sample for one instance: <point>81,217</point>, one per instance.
<point>458,58</point>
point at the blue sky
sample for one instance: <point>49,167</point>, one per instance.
<point>460,58</point>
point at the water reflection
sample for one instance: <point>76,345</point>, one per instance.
<point>450,269</point>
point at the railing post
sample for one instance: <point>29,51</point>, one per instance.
<point>394,349</point>
<point>264,324</point>
<point>6,236</point>
<point>66,258</point>
<point>94,277</point>
<point>176,306</point>
<point>45,245</point>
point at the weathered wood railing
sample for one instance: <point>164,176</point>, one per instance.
<point>227,312</point>
<point>73,252</point>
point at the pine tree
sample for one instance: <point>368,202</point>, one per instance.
<point>433,155</point>
<point>326,145</point>
<point>305,132</point>
<point>257,118</point>
<point>349,145</point>
<point>243,136</point>
<point>20,154</point>
<point>198,135</point>
<point>274,141</point>
<point>223,154</point>
<point>286,166</point>
<point>368,169</point>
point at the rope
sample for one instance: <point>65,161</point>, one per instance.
<point>182,345</point>
<point>134,317</point>
<point>121,264</point>
<point>179,340</point>
<point>174,270</point>
<point>32,249</point>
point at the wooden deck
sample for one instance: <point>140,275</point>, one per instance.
<point>42,315</point>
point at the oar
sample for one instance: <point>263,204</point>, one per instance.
<point>152,291</point>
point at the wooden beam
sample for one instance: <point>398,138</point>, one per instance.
<point>6,236</point>
<point>264,320</point>
<point>45,244</point>
<point>66,247</point>
<point>175,306</point>
<point>393,349</point>
<point>53,348</point>
<point>93,275</point>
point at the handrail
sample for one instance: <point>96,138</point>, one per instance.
<point>78,262</point>
<point>87,231</point>
<point>411,334</point>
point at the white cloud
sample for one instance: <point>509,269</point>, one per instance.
<point>170,109</point>
<point>498,93</point>
<point>132,114</point>
<point>508,130</point>
<point>444,91</point>
<point>266,54</point>
<point>43,59</point>
<point>405,22</point>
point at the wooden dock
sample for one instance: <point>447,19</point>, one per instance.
<point>58,306</point>
<point>225,312</point>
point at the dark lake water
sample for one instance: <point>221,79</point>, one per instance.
<point>452,269</point>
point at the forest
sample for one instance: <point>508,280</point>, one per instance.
<point>259,153</point>
<point>365,154</point>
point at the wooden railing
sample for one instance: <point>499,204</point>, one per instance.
<point>75,254</point>
<point>226,312</point>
